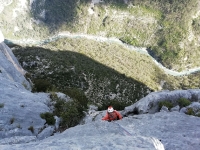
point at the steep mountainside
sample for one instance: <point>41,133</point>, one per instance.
<point>168,30</point>
<point>88,54</point>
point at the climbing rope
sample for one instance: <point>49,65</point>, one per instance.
<point>128,133</point>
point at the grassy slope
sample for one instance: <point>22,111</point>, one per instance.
<point>169,28</point>
<point>65,68</point>
<point>130,63</point>
<point>161,25</point>
<point>100,69</point>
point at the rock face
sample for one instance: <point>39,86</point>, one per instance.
<point>149,104</point>
<point>20,109</point>
<point>21,126</point>
<point>95,135</point>
<point>159,131</point>
<point>20,112</point>
<point>9,66</point>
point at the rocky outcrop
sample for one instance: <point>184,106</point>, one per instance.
<point>20,110</point>
<point>150,103</point>
<point>9,65</point>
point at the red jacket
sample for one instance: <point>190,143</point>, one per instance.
<point>115,115</point>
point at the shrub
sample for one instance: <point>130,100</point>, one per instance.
<point>1,105</point>
<point>166,103</point>
<point>49,117</point>
<point>41,85</point>
<point>190,111</point>
<point>12,120</point>
<point>71,112</point>
<point>31,129</point>
<point>183,102</point>
<point>72,115</point>
<point>27,76</point>
<point>78,96</point>
<point>59,107</point>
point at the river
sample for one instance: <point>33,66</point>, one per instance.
<point>141,50</point>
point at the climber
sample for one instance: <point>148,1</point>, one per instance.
<point>112,115</point>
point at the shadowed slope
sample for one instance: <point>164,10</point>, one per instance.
<point>69,69</point>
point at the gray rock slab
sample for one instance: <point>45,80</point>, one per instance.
<point>20,110</point>
<point>159,131</point>
<point>96,135</point>
<point>149,104</point>
<point>10,67</point>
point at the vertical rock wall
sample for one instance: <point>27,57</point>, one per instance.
<point>9,65</point>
